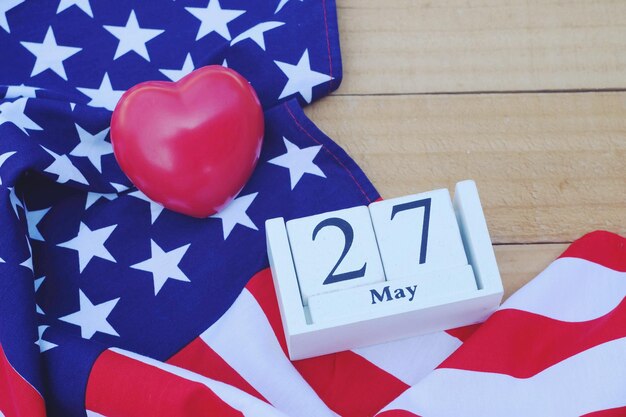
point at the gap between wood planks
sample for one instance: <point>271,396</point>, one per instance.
<point>405,46</point>
<point>468,93</point>
<point>549,167</point>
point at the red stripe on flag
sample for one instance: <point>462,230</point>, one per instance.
<point>522,344</point>
<point>348,383</point>
<point>17,397</point>
<point>613,412</point>
<point>198,357</point>
<point>396,413</point>
<point>122,386</point>
<point>465,332</point>
<point>604,248</point>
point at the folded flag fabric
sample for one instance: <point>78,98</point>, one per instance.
<point>87,261</point>
<point>554,348</point>
<point>111,305</point>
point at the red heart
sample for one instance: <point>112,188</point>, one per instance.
<point>190,145</point>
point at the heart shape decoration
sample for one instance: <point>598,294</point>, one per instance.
<point>189,145</point>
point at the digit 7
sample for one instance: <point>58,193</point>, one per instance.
<point>425,203</point>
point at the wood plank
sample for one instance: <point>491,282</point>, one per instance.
<point>417,46</point>
<point>549,167</point>
<point>521,263</point>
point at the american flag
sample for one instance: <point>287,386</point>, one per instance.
<point>111,305</point>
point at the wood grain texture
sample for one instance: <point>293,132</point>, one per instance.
<point>549,167</point>
<point>520,263</point>
<point>416,46</point>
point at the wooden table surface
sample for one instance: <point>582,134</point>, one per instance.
<point>528,98</point>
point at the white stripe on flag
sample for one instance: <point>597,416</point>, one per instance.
<point>411,359</point>
<point>590,381</point>
<point>244,338</point>
<point>571,289</point>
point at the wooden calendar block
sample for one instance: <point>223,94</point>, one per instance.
<point>329,279</point>
<point>417,234</point>
<point>391,296</point>
<point>334,251</point>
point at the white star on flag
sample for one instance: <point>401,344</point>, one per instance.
<point>28,263</point>
<point>3,159</point>
<point>281,4</point>
<point>119,187</point>
<point>63,167</point>
<point>301,79</point>
<point>214,19</point>
<point>5,6</point>
<point>132,37</point>
<point>38,283</point>
<point>163,265</point>
<point>81,4</point>
<point>93,197</point>
<point>94,147</point>
<point>155,208</point>
<point>13,112</point>
<point>50,55</point>
<point>235,213</point>
<point>103,96</point>
<point>90,243</point>
<point>176,75</point>
<point>15,91</point>
<point>32,220</point>
<point>92,318</point>
<point>43,344</point>
<point>298,161</point>
<point>256,33</point>
<point>15,201</point>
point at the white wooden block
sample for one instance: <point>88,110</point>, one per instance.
<point>417,234</point>
<point>334,251</point>
<point>284,276</point>
<point>391,297</point>
<point>476,239</point>
<point>349,324</point>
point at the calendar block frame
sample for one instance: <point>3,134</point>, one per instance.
<point>440,312</point>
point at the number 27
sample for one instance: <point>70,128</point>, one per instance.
<point>348,233</point>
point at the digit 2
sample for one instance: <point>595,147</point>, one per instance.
<point>413,205</point>
<point>348,233</point>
